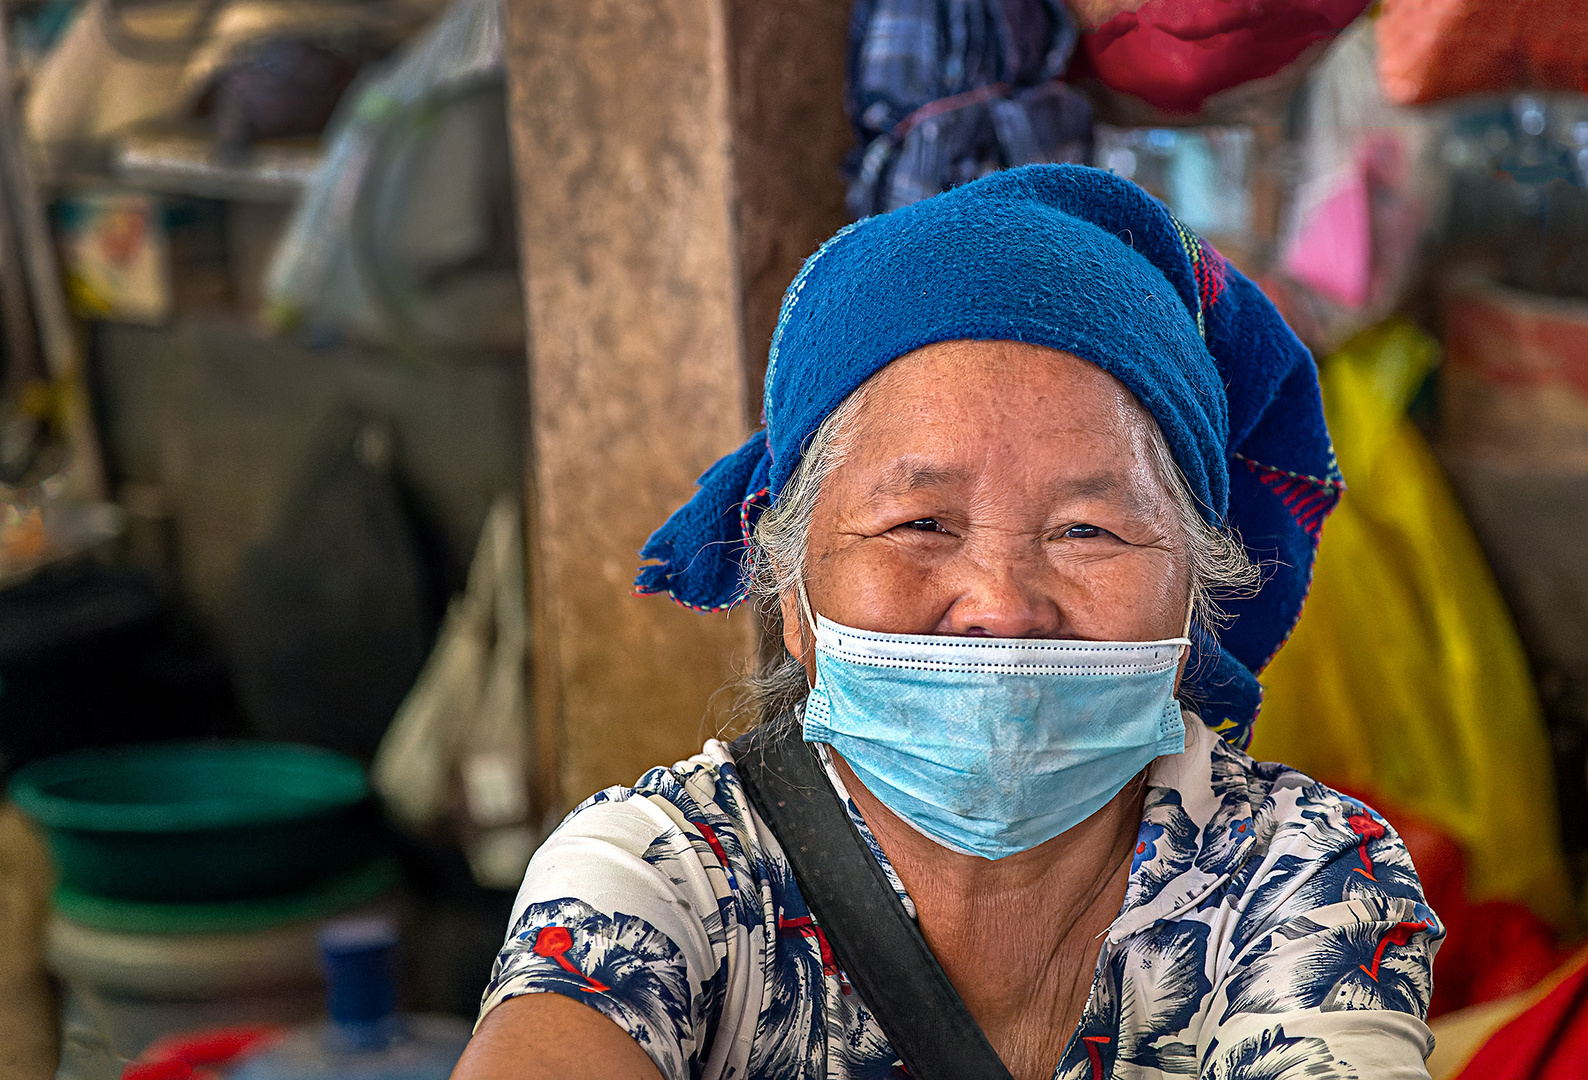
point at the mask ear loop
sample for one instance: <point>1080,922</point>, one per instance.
<point>1190,613</point>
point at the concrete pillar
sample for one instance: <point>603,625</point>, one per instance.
<point>786,64</point>
<point>624,132</point>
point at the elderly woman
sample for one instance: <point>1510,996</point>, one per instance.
<point>1022,441</point>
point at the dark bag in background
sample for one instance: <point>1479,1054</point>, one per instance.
<point>336,608</point>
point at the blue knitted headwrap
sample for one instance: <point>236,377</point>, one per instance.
<point>1082,261</point>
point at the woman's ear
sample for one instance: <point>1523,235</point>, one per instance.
<point>793,625</point>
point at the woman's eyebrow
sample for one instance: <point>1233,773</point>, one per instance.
<point>1097,485</point>
<point>903,477</point>
<point>1108,486</point>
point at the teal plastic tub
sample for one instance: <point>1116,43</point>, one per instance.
<point>199,822</point>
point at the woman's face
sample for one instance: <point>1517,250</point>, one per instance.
<point>996,489</point>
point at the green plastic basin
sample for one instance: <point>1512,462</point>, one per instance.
<point>198,822</point>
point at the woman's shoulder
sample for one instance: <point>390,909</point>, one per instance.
<point>1286,910</point>
<point>1267,845</point>
<point>1295,816</point>
<point>705,781</point>
<point>1215,811</point>
<point>694,812</point>
<point>1326,878</point>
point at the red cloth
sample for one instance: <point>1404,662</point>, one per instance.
<point>1491,951</point>
<point>199,1053</point>
<point>1174,54</point>
<point>1548,1041</point>
<point>1435,49</point>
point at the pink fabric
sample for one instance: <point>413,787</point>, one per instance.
<point>1332,251</point>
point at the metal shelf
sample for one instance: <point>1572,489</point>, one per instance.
<point>180,163</point>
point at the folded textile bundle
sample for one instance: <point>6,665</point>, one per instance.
<point>941,93</point>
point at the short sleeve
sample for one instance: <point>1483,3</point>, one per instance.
<point>1333,967</point>
<point>1339,994</point>
<point>1355,1045</point>
<point>613,913</point>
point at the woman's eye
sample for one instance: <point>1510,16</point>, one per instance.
<point>1082,532</point>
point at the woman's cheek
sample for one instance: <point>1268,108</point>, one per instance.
<point>1128,599</point>
<point>875,586</point>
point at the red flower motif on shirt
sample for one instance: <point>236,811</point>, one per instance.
<point>1368,829</point>
<point>806,927</point>
<point>553,942</point>
<point>1399,934</point>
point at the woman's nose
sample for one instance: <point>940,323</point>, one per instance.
<point>1003,599</point>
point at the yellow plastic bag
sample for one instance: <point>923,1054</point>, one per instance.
<point>1404,676</point>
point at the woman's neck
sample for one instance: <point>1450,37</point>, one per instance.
<point>1017,936</point>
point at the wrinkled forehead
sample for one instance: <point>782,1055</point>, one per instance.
<point>1035,420</point>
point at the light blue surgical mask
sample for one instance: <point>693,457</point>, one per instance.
<point>991,746</point>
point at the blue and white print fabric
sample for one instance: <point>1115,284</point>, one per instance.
<point>1272,929</point>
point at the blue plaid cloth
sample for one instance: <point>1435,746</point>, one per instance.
<point>944,91</point>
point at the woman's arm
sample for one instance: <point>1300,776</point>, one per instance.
<point>632,915</point>
<point>1334,964</point>
<point>551,1037</point>
<point>1336,995</point>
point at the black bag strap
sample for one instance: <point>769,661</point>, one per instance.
<point>875,940</point>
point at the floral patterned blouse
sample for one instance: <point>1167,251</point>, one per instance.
<point>1272,928</point>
